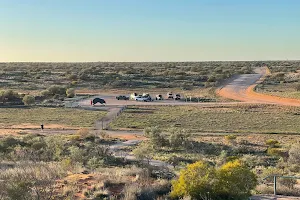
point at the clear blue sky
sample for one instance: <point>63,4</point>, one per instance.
<point>149,30</point>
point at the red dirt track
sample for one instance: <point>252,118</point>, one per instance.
<point>242,89</point>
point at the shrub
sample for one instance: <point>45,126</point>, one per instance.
<point>70,93</point>
<point>144,151</point>
<point>196,180</point>
<point>294,154</point>
<point>53,90</point>
<point>30,181</point>
<point>178,138</point>
<point>272,143</point>
<point>45,93</point>
<point>233,180</point>
<point>297,87</point>
<point>83,132</point>
<point>74,138</point>
<point>28,100</point>
<point>76,154</point>
<point>9,95</point>
<point>94,163</point>
<point>156,137</point>
<point>271,171</point>
<point>276,152</point>
<point>7,144</point>
<point>288,182</point>
<point>73,77</point>
<point>230,139</point>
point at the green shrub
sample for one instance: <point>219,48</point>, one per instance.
<point>276,152</point>
<point>272,143</point>
<point>231,181</point>
<point>70,92</point>
<point>95,162</point>
<point>28,100</point>
<point>76,154</point>
<point>230,137</point>
<point>195,180</point>
<point>271,171</point>
<point>178,138</point>
<point>57,90</point>
<point>144,151</point>
<point>74,138</point>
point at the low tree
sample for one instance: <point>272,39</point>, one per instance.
<point>28,100</point>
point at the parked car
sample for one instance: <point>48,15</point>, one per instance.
<point>159,97</point>
<point>170,95</point>
<point>142,98</point>
<point>122,97</point>
<point>177,97</point>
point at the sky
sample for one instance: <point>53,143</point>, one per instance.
<point>148,30</point>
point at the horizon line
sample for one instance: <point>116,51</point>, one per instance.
<point>147,61</point>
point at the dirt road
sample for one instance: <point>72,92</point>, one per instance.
<point>272,197</point>
<point>242,89</point>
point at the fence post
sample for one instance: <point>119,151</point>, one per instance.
<point>275,185</point>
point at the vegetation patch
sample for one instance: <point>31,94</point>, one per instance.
<point>230,119</point>
<point>42,115</point>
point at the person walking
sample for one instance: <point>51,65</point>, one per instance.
<point>42,126</point>
<point>91,102</point>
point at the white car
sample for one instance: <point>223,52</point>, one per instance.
<point>141,98</point>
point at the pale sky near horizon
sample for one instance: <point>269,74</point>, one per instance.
<point>149,30</point>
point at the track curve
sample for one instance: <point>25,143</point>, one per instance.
<point>242,89</point>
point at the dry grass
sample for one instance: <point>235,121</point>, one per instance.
<point>225,119</point>
<point>59,116</point>
<point>286,90</point>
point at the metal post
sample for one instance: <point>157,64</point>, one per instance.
<point>275,185</point>
<point>102,124</point>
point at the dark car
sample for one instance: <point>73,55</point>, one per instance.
<point>98,100</point>
<point>122,97</point>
